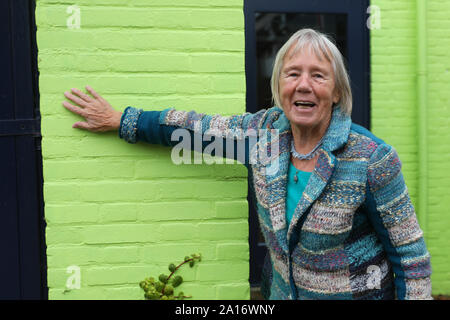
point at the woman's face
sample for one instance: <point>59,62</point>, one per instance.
<point>307,90</point>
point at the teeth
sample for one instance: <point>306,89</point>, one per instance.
<point>304,103</point>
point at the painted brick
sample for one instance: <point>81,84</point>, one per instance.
<point>120,233</point>
<point>118,293</point>
<point>114,275</point>
<point>394,116</point>
<point>197,83</point>
<point>180,62</point>
<point>100,292</point>
<point>209,272</point>
<point>55,148</point>
<point>164,168</point>
<point>219,230</point>
<point>94,169</point>
<point>232,209</point>
<point>178,231</point>
<point>63,191</point>
<point>121,212</point>
<point>178,41</point>
<point>234,250</point>
<point>63,214</point>
<point>64,235</point>
<point>203,189</point>
<point>57,277</point>
<point>118,212</point>
<point>233,292</point>
<point>180,210</point>
<point>85,256</point>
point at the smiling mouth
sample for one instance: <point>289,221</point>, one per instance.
<point>304,104</point>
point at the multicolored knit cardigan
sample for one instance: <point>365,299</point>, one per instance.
<point>354,233</point>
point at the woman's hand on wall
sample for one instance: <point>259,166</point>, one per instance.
<point>98,113</point>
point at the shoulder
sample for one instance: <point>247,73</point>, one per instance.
<point>360,130</point>
<point>364,144</point>
<point>383,162</point>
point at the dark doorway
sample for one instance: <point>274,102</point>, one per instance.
<point>268,25</point>
<point>22,243</point>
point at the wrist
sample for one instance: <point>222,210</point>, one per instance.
<point>115,120</point>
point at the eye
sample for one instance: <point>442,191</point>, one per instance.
<point>318,76</point>
<point>293,74</point>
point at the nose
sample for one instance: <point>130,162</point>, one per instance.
<point>304,84</point>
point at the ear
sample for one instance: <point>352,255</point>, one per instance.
<point>336,96</point>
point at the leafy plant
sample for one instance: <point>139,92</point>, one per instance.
<point>164,287</point>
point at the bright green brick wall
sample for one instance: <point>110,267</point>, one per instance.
<point>394,112</point>
<point>439,142</point>
<point>122,212</point>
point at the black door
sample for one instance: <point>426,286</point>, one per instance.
<point>22,244</point>
<point>268,25</point>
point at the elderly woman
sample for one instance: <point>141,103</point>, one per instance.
<point>336,215</point>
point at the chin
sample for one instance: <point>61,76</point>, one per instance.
<point>302,122</point>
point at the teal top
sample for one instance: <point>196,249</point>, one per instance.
<point>294,190</point>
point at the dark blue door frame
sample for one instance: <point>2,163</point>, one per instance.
<point>23,267</point>
<point>358,59</point>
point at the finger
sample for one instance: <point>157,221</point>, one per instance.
<point>82,95</point>
<point>75,99</point>
<point>73,108</point>
<point>93,92</point>
<point>81,125</point>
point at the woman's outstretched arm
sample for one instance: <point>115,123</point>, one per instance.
<point>157,127</point>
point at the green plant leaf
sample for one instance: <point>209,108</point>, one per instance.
<point>163,278</point>
<point>152,296</point>
<point>177,281</point>
<point>168,290</point>
<point>159,286</point>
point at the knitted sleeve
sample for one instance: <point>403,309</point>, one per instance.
<point>394,218</point>
<point>138,125</point>
<point>228,134</point>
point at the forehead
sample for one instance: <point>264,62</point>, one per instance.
<point>306,54</point>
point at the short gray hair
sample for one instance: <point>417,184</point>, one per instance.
<point>320,44</point>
